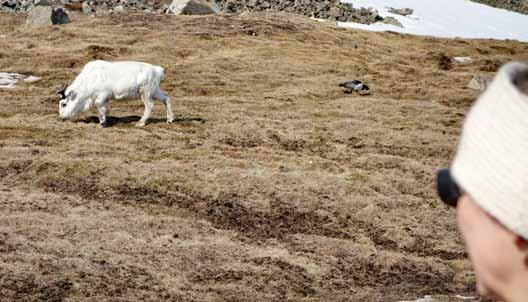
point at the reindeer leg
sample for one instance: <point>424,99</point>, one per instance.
<point>102,108</point>
<point>162,96</point>
<point>147,100</point>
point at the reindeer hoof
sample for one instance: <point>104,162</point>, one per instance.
<point>170,121</point>
<point>140,125</point>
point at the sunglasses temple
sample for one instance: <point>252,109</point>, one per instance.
<point>448,190</point>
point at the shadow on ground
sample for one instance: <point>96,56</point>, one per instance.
<point>115,120</point>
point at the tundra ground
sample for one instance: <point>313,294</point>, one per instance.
<point>272,185</point>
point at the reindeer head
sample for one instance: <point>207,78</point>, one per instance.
<point>67,103</point>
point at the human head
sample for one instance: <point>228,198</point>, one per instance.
<point>489,183</point>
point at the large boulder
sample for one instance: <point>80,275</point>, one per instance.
<point>46,15</point>
<point>193,7</point>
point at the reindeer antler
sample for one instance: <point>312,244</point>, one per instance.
<point>62,91</point>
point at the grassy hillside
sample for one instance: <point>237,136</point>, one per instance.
<point>273,185</point>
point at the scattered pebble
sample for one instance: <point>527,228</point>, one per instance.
<point>479,82</point>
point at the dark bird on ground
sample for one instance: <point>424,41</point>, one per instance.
<point>354,85</point>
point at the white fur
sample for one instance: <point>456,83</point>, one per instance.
<point>100,81</point>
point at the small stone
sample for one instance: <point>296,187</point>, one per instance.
<point>463,60</point>
<point>32,79</point>
<point>59,16</point>
<point>334,12</point>
<point>401,11</point>
<point>392,21</point>
<point>86,8</point>
<point>479,82</point>
<point>119,8</point>
<point>42,3</point>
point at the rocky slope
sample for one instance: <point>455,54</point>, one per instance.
<point>326,9</point>
<point>520,6</point>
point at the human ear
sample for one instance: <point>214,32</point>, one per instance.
<point>521,243</point>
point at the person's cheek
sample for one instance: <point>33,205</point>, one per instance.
<point>477,231</point>
<point>484,290</point>
<point>465,221</point>
<point>481,288</point>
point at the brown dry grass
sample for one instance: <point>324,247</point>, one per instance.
<point>272,186</point>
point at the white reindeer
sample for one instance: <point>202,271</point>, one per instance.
<point>100,81</point>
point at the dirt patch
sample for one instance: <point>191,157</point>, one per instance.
<point>491,65</point>
<point>18,287</point>
<point>445,62</point>
<point>102,52</point>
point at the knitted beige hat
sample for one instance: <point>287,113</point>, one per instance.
<point>491,163</point>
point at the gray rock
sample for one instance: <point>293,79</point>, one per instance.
<point>192,7</point>
<point>59,16</point>
<point>42,3</point>
<point>10,5</point>
<point>119,8</point>
<point>26,5</point>
<point>401,11</point>
<point>335,12</point>
<point>86,8</point>
<point>392,21</point>
<point>46,15</point>
<point>39,16</point>
<point>479,82</point>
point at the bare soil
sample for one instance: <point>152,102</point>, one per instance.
<point>272,185</point>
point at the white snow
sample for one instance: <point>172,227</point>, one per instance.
<point>9,80</point>
<point>463,60</point>
<point>447,18</point>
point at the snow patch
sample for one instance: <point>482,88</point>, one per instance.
<point>447,18</point>
<point>9,80</point>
